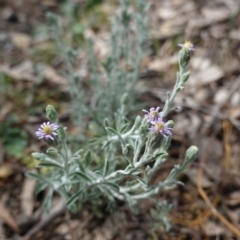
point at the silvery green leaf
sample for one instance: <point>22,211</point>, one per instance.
<point>48,199</point>
<point>136,171</point>
<point>128,160</point>
<point>68,186</point>
<point>124,127</point>
<point>77,154</point>
<point>113,186</point>
<point>141,181</point>
<point>99,173</point>
<point>52,150</point>
<point>38,177</point>
<point>107,143</point>
<point>132,202</point>
<point>106,167</point>
<point>62,132</point>
<point>73,208</point>
<point>40,187</point>
<point>75,197</point>
<point>88,159</point>
<point>82,168</point>
<point>74,158</point>
<point>111,130</point>
<point>106,122</point>
<point>50,164</point>
<point>129,168</point>
<point>39,156</point>
<point>105,191</point>
<point>43,157</point>
<point>111,206</point>
<point>82,175</point>
<point>94,194</point>
<point>158,154</point>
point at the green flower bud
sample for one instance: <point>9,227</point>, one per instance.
<point>128,150</point>
<point>124,99</point>
<point>143,130</point>
<point>191,154</point>
<point>170,123</point>
<point>185,77</point>
<point>185,53</point>
<point>51,113</point>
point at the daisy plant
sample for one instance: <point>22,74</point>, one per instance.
<point>118,165</point>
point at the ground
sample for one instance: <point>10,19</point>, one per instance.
<point>208,205</point>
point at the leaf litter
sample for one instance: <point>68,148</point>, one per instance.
<point>208,205</point>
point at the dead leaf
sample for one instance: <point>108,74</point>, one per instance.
<point>50,3</point>
<point>235,99</point>
<point>5,171</point>
<point>215,15</point>
<point>21,40</point>
<point>23,71</point>
<point>166,13</point>
<point>235,35</point>
<point>62,229</point>
<point>162,64</point>
<point>212,229</point>
<point>192,173</point>
<point>53,76</point>
<point>27,196</point>
<point>221,96</point>
<point>234,215</point>
<point>102,234</point>
<point>233,199</point>
<point>206,76</point>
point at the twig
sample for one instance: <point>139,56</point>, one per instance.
<point>208,202</point>
<point>58,210</point>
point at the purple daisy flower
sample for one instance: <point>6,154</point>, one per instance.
<point>47,131</point>
<point>153,115</point>
<point>187,46</point>
<point>160,127</point>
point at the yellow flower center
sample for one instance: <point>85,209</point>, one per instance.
<point>47,130</point>
<point>159,126</point>
<point>154,114</point>
<point>187,45</point>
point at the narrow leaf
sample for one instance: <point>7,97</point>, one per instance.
<point>50,164</point>
<point>36,176</point>
<point>106,167</point>
<point>88,158</point>
<point>48,200</point>
<point>74,197</point>
<point>83,175</point>
<point>114,186</point>
<point>124,128</point>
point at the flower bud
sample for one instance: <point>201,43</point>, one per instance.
<point>191,154</point>
<point>124,99</point>
<point>128,150</point>
<point>185,77</point>
<point>170,123</point>
<point>185,53</point>
<point>51,113</point>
